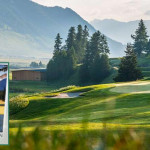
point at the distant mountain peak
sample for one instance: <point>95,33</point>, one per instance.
<point>117,30</point>
<point>30,28</point>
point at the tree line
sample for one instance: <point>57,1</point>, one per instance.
<point>37,65</point>
<point>128,68</point>
<point>89,55</point>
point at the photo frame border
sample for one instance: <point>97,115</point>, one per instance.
<point>8,72</point>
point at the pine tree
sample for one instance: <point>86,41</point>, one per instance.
<point>85,35</point>
<point>56,64</point>
<point>34,65</point>
<point>70,62</point>
<point>58,42</point>
<point>128,70</point>
<point>98,45</point>
<point>70,42</point>
<point>55,67</point>
<point>96,62</point>
<point>85,41</point>
<point>79,36</point>
<point>41,65</point>
<point>140,39</point>
<point>85,67</point>
<point>63,62</point>
<point>100,68</point>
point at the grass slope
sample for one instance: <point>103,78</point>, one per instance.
<point>97,105</point>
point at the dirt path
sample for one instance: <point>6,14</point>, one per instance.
<point>132,87</point>
<point>68,95</point>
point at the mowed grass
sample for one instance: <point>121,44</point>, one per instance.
<point>97,105</point>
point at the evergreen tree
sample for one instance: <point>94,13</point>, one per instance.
<point>79,47</point>
<point>63,62</point>
<point>100,68</point>
<point>70,62</point>
<point>140,39</point>
<point>34,65</point>
<point>96,62</point>
<point>79,36</point>
<point>98,45</point>
<point>41,65</point>
<point>85,67</point>
<point>128,70</point>
<point>70,42</point>
<point>105,48</point>
<point>85,35</point>
<point>55,67</point>
<point>58,42</point>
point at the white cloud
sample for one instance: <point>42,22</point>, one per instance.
<point>123,10</point>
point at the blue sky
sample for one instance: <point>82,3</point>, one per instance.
<point>122,10</point>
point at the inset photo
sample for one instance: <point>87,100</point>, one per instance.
<point>4,103</point>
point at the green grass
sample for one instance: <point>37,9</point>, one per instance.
<point>101,116</point>
<point>145,68</point>
<point>98,104</point>
<point>18,103</point>
<point>78,140</point>
<point>146,73</point>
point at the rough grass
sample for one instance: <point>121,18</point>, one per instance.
<point>17,104</point>
<point>78,140</point>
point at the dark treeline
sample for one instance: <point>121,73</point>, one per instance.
<point>37,65</point>
<point>87,54</point>
<point>128,69</point>
<point>141,43</point>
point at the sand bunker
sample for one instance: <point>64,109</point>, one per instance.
<point>68,95</point>
<point>132,87</point>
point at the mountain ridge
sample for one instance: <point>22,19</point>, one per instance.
<point>119,30</point>
<point>28,28</point>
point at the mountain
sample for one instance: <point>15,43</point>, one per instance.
<point>29,29</point>
<point>120,31</point>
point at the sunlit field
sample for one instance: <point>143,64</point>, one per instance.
<point>97,104</point>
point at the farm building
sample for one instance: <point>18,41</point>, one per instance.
<point>29,75</point>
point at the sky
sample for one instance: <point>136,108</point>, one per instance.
<point>121,10</point>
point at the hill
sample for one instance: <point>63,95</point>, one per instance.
<point>29,29</point>
<point>117,30</point>
<point>119,105</point>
